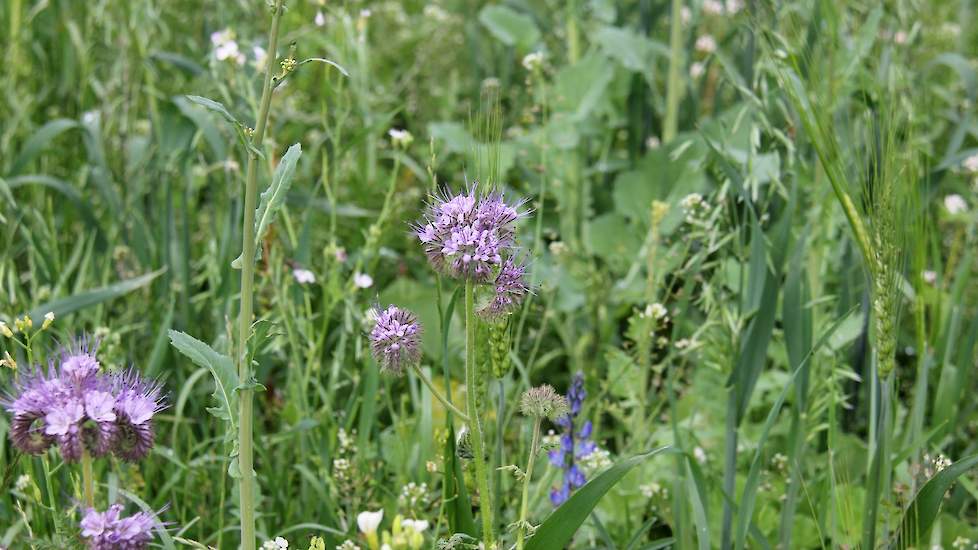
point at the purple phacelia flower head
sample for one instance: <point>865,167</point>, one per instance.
<point>74,405</point>
<point>466,236</point>
<point>108,530</point>
<point>395,339</point>
<point>509,290</point>
<point>137,401</point>
<point>30,402</point>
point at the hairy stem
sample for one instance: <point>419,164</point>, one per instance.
<point>88,481</point>
<point>671,122</point>
<point>441,398</point>
<point>245,405</point>
<point>476,425</point>
<point>524,503</point>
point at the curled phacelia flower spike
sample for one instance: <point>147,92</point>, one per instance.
<point>510,288</point>
<point>138,400</point>
<point>466,236</point>
<point>395,339</point>
<point>73,405</point>
<point>544,402</point>
<point>108,530</point>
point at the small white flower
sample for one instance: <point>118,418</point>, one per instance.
<point>712,7</point>
<point>955,204</point>
<point>260,56</point>
<point>734,6</point>
<point>320,19</point>
<point>362,280</point>
<point>303,276</point>
<point>416,525</point>
<point>365,13</point>
<point>348,545</point>
<point>930,277</point>
<point>652,143</point>
<point>971,163</point>
<point>368,522</point>
<point>533,61</point>
<point>400,138</point>
<point>656,311</point>
<point>278,544</point>
<point>22,483</point>
<point>900,37</point>
<point>696,70</point>
<point>683,343</point>
<point>699,454</point>
<point>706,44</point>
<point>685,15</point>
<point>691,202</point>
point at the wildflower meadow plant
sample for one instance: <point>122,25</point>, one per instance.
<point>74,404</point>
<point>575,444</point>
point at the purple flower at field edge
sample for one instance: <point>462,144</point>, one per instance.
<point>395,339</point>
<point>138,401</point>
<point>510,288</point>
<point>110,531</point>
<point>466,236</point>
<point>574,444</point>
<point>74,405</point>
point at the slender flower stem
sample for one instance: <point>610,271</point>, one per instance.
<point>671,123</point>
<point>434,391</point>
<point>88,482</point>
<point>50,489</point>
<point>245,403</point>
<point>476,425</point>
<point>524,503</point>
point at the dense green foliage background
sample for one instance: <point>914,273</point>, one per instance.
<point>120,210</point>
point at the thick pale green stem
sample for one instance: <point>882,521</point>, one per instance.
<point>88,479</point>
<point>525,501</point>
<point>245,404</point>
<point>55,515</point>
<point>673,86</point>
<point>441,398</point>
<point>475,423</point>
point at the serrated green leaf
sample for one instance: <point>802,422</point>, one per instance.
<point>558,529</point>
<point>221,368</point>
<point>273,198</point>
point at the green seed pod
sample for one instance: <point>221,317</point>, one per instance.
<point>499,344</point>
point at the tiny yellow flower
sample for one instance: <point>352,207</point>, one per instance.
<point>5,330</point>
<point>48,319</point>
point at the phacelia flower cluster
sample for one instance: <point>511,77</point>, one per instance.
<point>510,288</point>
<point>574,444</point>
<point>395,339</point>
<point>73,405</point>
<point>108,530</point>
<point>467,236</point>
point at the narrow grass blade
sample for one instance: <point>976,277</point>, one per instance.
<point>920,515</point>
<point>558,529</point>
<point>71,304</point>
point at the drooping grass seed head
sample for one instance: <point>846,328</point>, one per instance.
<point>395,339</point>
<point>544,402</point>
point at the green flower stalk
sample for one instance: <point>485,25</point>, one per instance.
<point>538,403</point>
<point>246,399</point>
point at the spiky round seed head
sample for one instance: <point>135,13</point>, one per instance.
<point>544,402</point>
